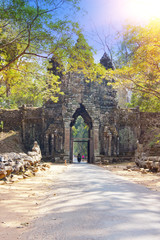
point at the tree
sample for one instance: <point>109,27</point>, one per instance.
<point>38,27</point>
<point>144,102</point>
<point>27,84</point>
<point>31,32</point>
<point>34,33</point>
<point>81,60</point>
<point>141,73</point>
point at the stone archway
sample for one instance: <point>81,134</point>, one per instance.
<point>81,111</point>
<point>112,131</point>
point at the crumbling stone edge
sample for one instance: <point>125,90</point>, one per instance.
<point>144,160</point>
<point>21,164</point>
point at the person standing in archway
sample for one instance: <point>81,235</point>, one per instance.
<point>79,157</point>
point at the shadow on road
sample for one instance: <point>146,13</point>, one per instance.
<point>90,203</point>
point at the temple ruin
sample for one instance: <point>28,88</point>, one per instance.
<point>113,132</point>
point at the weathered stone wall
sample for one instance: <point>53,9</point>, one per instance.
<point>119,133</point>
<point>45,125</point>
<point>150,125</point>
<point>53,132</point>
<point>148,147</point>
<point>12,119</point>
<point>31,126</point>
<point>128,124</point>
<point>113,132</point>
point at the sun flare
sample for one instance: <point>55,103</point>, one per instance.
<point>143,10</point>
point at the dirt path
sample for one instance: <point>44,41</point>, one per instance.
<point>78,202</point>
<point>20,202</point>
<point>129,172</point>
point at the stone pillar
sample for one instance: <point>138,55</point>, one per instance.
<point>46,147</point>
<point>67,140</point>
<point>61,143</point>
<point>43,120</point>
<point>43,130</point>
<point>52,144</point>
<point>23,123</point>
<point>91,147</point>
<point>110,145</point>
<point>117,146</point>
<point>34,131</point>
<point>96,141</point>
<point>23,130</point>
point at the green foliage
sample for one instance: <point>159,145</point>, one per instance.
<point>155,140</point>
<point>80,130</point>
<point>32,33</point>
<point>138,67</point>
<point>2,125</point>
<point>145,103</point>
<point>28,84</point>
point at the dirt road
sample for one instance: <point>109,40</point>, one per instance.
<point>22,201</point>
<point>87,202</point>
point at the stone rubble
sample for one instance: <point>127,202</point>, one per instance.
<point>23,164</point>
<point>146,162</point>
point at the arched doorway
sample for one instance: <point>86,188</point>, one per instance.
<point>80,140</point>
<point>85,140</point>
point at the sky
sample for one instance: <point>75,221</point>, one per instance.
<point>105,17</point>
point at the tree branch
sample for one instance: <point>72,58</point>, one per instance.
<point>140,87</point>
<point>15,39</point>
<point>19,55</point>
<point>34,54</point>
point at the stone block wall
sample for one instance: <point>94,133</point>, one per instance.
<point>150,125</point>
<point>148,147</point>
<point>45,125</point>
<point>113,132</point>
<point>128,124</point>
<point>12,119</point>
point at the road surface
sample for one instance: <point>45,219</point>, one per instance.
<point>87,202</point>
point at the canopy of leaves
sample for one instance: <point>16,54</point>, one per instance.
<point>140,70</point>
<point>34,28</point>
<point>29,84</point>
<point>80,129</point>
<point>32,34</point>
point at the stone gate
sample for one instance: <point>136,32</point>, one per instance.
<point>113,132</point>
